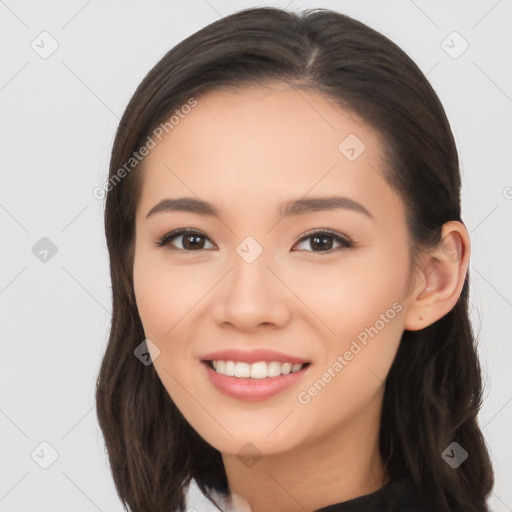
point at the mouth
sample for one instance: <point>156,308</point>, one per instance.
<point>259,380</point>
<point>257,370</point>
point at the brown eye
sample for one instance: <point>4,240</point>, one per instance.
<point>187,240</point>
<point>325,241</point>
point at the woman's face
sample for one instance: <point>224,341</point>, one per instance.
<point>271,290</point>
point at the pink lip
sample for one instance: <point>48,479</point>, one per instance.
<point>252,356</point>
<point>251,389</point>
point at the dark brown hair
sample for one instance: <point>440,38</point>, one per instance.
<point>434,388</point>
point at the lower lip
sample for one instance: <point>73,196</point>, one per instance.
<point>253,389</point>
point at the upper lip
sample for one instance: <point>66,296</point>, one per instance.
<point>252,356</point>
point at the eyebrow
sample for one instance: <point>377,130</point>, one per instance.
<point>297,207</point>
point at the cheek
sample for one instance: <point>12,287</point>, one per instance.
<point>164,296</point>
<point>353,295</point>
<point>362,303</point>
<point>164,293</point>
<point>350,376</point>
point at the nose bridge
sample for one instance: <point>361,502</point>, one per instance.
<point>252,294</point>
<point>250,278</point>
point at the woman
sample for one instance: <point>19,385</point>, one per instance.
<point>286,247</point>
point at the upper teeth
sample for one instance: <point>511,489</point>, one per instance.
<point>259,370</point>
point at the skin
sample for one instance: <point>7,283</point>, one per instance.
<point>247,151</point>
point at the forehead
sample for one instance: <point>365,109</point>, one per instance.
<point>256,144</point>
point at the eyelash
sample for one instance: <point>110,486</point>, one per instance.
<point>345,242</point>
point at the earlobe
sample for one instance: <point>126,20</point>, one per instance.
<point>440,281</point>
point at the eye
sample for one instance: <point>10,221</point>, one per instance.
<point>323,241</point>
<point>189,240</point>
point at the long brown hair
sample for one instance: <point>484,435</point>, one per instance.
<point>434,387</point>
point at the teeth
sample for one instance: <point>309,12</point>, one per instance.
<point>274,369</point>
<point>286,368</point>
<point>242,370</point>
<point>229,368</point>
<point>259,370</point>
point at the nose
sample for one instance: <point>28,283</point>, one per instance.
<point>253,297</point>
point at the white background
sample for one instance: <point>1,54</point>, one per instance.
<point>59,117</point>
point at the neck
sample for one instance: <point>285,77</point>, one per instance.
<point>339,466</point>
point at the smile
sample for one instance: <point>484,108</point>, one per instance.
<point>258,370</point>
<point>253,381</point>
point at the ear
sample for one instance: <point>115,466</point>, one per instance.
<point>440,279</point>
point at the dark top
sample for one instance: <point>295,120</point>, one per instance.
<point>395,496</point>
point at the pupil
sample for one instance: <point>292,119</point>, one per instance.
<point>195,244</point>
<point>319,242</point>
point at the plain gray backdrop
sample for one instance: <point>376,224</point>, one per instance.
<point>68,70</point>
